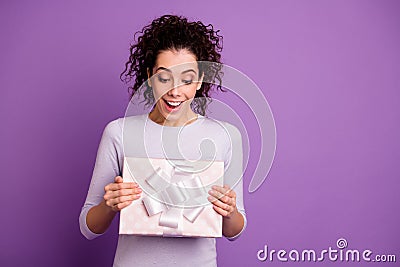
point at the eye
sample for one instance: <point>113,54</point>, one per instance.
<point>163,80</point>
<point>187,81</point>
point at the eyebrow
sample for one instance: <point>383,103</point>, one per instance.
<point>183,72</point>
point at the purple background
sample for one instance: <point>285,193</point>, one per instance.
<point>329,69</point>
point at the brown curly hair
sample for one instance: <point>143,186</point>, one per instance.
<point>171,32</point>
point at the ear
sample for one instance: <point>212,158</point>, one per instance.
<point>148,77</point>
<point>200,82</point>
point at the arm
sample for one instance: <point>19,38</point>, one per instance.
<point>106,191</point>
<point>226,201</point>
<point>99,218</point>
<point>118,195</point>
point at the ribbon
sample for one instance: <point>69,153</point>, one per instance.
<point>181,188</point>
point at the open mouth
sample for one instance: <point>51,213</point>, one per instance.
<point>172,105</point>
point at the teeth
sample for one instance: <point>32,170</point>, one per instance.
<point>175,104</point>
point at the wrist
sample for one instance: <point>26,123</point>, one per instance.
<point>107,209</point>
<point>233,214</point>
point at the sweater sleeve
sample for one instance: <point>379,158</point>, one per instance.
<point>234,171</point>
<point>108,165</point>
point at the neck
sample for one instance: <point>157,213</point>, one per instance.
<point>158,118</point>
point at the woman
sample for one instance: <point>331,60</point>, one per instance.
<point>167,59</point>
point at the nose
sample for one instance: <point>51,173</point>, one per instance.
<point>175,91</point>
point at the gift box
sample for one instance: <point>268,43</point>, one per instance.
<point>174,198</point>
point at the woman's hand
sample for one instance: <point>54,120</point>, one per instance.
<point>119,195</point>
<point>224,203</point>
<point>223,200</point>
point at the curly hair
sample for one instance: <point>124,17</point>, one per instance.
<point>171,32</point>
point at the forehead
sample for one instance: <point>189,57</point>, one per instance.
<point>176,61</point>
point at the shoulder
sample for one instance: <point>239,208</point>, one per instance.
<point>223,128</point>
<point>232,130</point>
<point>115,127</point>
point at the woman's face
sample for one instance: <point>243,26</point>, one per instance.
<point>174,82</point>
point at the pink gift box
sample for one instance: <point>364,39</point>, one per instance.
<point>174,199</point>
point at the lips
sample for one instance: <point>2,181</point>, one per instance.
<point>172,105</point>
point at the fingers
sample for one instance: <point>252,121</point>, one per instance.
<point>220,211</point>
<point>219,198</point>
<point>228,206</point>
<point>122,205</point>
<point>117,203</point>
<point>119,195</point>
<point>123,192</point>
<point>225,190</point>
<point>119,186</point>
<point>222,193</point>
<point>114,202</point>
<point>223,199</point>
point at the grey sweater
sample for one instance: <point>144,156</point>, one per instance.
<point>204,139</point>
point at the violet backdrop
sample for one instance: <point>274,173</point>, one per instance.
<point>329,70</point>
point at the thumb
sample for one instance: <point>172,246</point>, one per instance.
<point>118,179</point>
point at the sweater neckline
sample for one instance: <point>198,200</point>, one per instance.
<point>151,122</point>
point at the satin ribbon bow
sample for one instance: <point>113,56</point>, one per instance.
<point>170,198</point>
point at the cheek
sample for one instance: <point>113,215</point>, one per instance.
<point>158,93</point>
<point>160,89</point>
<point>190,91</point>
